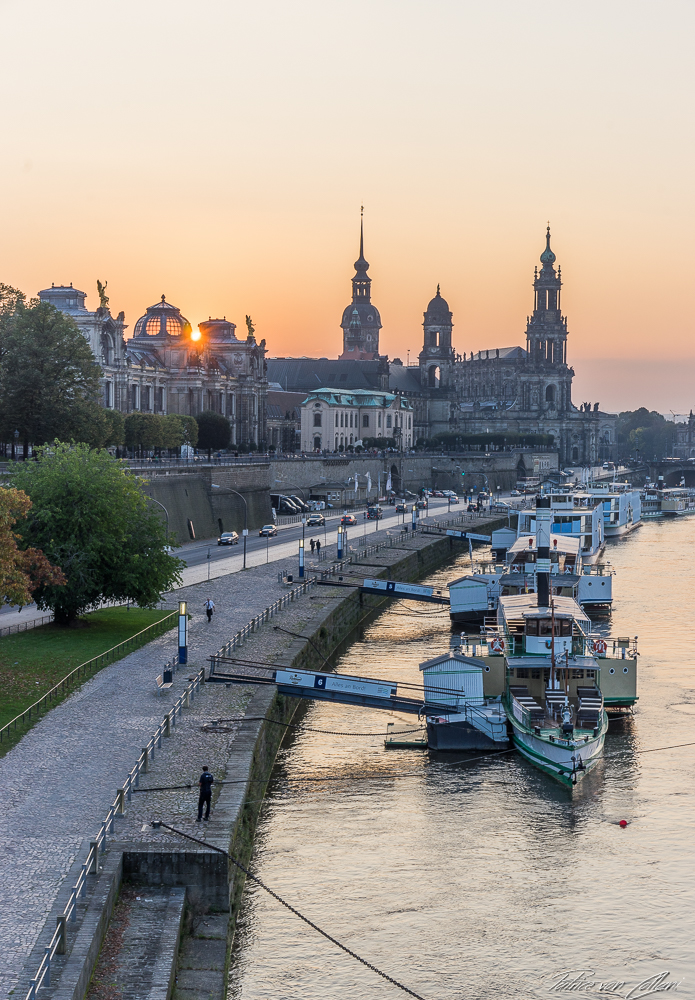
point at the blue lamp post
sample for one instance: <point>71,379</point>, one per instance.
<point>183,633</point>
<point>301,558</point>
<point>340,541</point>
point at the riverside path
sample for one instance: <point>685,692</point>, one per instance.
<point>58,782</point>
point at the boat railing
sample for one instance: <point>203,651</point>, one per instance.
<point>495,640</point>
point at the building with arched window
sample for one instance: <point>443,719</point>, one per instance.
<point>167,367</point>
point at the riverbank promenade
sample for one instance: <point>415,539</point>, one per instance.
<point>58,783</point>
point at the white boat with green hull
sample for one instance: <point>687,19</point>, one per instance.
<point>554,692</point>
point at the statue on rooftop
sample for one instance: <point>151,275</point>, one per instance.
<point>103,297</point>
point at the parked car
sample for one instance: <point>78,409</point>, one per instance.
<point>287,506</point>
<point>374,513</point>
<point>348,519</point>
<point>314,520</point>
<point>268,530</point>
<point>515,493</point>
<point>298,502</point>
<point>228,538</point>
<point>437,493</point>
<point>401,508</point>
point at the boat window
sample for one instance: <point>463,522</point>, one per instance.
<point>546,674</point>
<point>545,626</point>
<point>532,626</point>
<point>591,675</point>
<point>521,672</point>
<point>535,675</point>
<point>565,627</point>
<point>578,675</point>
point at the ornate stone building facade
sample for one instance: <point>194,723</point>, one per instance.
<point>511,391</point>
<point>167,367</point>
<point>529,391</point>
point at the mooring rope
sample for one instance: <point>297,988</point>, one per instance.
<point>299,725</point>
<point>292,909</point>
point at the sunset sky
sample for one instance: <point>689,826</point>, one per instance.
<point>219,153</point>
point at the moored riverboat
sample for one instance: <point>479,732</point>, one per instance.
<point>557,683</point>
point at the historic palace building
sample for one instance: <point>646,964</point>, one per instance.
<point>167,367</point>
<point>506,391</point>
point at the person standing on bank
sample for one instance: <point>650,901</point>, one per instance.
<point>318,546</point>
<point>209,608</point>
<point>313,545</point>
<point>205,784</point>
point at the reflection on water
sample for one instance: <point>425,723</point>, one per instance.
<point>485,879</point>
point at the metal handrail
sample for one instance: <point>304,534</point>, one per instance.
<point>58,943</point>
<point>99,659</point>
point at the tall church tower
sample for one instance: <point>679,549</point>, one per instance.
<point>361,321</point>
<point>546,329</point>
<point>437,354</point>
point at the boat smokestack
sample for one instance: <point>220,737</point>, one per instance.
<point>543,516</point>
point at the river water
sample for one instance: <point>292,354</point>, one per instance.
<point>487,879</point>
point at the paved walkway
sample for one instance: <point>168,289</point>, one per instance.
<point>57,784</point>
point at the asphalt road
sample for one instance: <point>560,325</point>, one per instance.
<point>195,553</point>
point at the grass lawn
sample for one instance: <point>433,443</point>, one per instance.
<point>32,662</point>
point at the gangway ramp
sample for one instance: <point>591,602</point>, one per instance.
<point>346,689</point>
<point>408,591</point>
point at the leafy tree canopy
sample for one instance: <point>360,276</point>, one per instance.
<point>214,430</point>
<point>49,380</point>
<point>94,521</point>
<point>645,432</point>
<point>21,572</point>
<point>152,431</point>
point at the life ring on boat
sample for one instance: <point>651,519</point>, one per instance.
<point>497,646</point>
<point>598,646</point>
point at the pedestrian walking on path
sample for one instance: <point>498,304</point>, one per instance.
<point>205,784</point>
<point>313,545</point>
<point>209,608</point>
<point>318,546</point>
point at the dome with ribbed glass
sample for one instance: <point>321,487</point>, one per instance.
<point>162,320</point>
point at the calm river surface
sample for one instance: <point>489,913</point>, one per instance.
<point>487,879</point>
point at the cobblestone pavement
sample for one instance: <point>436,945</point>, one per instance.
<point>57,784</point>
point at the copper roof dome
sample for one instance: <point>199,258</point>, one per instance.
<point>162,320</point>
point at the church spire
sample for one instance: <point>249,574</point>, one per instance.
<point>361,282</point>
<point>361,321</point>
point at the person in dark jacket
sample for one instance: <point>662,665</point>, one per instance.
<point>205,784</point>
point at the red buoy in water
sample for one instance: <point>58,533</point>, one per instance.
<point>623,823</point>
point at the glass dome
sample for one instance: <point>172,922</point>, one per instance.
<point>162,320</point>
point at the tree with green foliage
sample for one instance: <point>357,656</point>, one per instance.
<point>214,431</point>
<point>154,432</point>
<point>107,431</point>
<point>644,435</point>
<point>49,380</point>
<point>93,520</point>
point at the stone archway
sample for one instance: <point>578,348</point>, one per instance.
<point>395,479</point>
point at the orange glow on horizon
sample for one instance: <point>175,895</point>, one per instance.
<point>461,133</point>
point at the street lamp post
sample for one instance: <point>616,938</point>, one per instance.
<point>215,486</point>
<point>166,512</point>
